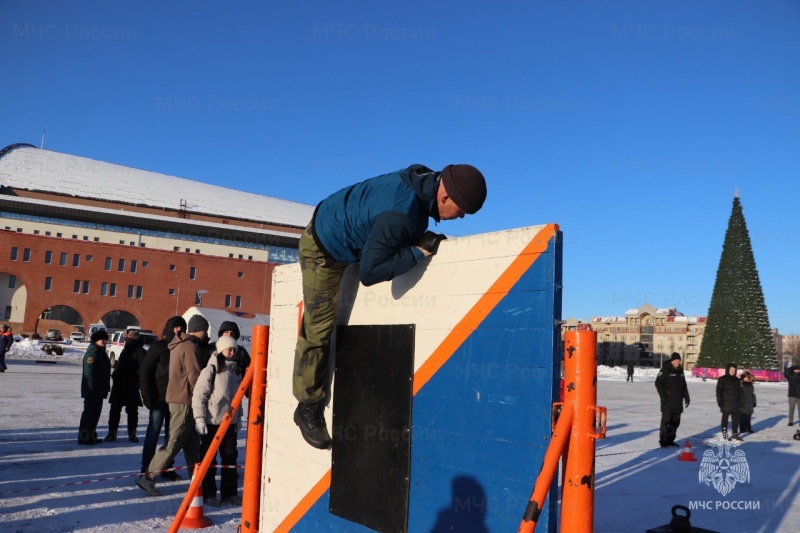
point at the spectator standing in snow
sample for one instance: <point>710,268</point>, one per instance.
<point>6,340</point>
<point>674,395</point>
<point>382,224</point>
<point>187,356</point>
<point>748,403</point>
<point>125,390</point>
<point>153,379</point>
<point>95,385</point>
<point>630,371</point>
<point>241,357</point>
<point>730,399</point>
<point>793,377</point>
<point>211,400</point>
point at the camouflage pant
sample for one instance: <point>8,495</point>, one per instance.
<point>321,279</point>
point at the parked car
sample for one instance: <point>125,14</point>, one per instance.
<point>117,342</point>
<point>53,335</point>
<point>77,336</point>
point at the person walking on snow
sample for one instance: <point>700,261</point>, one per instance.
<point>793,377</point>
<point>748,403</point>
<point>153,379</point>
<point>382,224</point>
<point>95,385</point>
<point>187,356</point>
<point>6,340</point>
<point>674,395</point>
<point>630,371</point>
<point>730,399</point>
<point>211,401</point>
<point>125,390</point>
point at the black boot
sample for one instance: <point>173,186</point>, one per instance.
<point>736,436</point>
<point>312,424</point>
<point>133,421</point>
<point>111,437</point>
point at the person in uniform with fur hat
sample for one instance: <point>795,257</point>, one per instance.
<point>95,386</point>
<point>674,395</point>
<point>381,223</point>
<point>186,358</point>
<point>211,400</point>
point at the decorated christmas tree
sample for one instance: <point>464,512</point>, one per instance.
<point>737,330</point>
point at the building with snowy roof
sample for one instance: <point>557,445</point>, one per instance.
<point>87,241</point>
<point>646,335</point>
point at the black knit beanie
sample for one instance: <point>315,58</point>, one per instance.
<point>197,323</point>
<point>466,186</point>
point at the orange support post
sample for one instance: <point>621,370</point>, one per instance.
<point>551,458</point>
<point>580,376</point>
<point>251,490</point>
<point>578,424</point>
<point>200,471</point>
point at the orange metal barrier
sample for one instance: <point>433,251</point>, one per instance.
<point>579,424</point>
<point>256,417</point>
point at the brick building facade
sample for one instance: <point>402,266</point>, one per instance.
<point>74,251</point>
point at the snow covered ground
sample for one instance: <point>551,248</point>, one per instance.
<point>48,482</point>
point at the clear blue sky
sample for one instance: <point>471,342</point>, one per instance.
<point>628,123</point>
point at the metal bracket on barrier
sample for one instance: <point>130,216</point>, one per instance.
<point>600,415</point>
<point>557,408</point>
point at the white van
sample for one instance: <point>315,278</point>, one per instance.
<point>95,327</point>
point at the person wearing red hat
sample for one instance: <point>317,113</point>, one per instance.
<point>381,223</point>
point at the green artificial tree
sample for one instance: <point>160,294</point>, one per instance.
<point>737,330</point>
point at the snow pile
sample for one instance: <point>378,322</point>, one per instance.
<point>29,349</point>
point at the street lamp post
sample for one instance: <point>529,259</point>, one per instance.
<point>178,296</point>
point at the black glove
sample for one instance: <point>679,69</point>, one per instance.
<point>686,403</point>
<point>430,242</point>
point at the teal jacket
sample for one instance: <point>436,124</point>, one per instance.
<point>377,222</point>
<point>96,380</point>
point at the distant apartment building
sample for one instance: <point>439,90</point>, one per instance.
<point>646,335</point>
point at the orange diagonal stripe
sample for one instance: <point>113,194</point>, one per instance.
<point>448,347</point>
<point>305,504</point>
<point>484,306</point>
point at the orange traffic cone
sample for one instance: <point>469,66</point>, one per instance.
<point>687,454</point>
<point>195,517</point>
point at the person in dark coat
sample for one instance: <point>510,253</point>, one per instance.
<point>630,371</point>
<point>674,395</point>
<point>153,379</point>
<point>125,391</point>
<point>730,399</point>
<point>6,340</point>
<point>242,357</point>
<point>748,403</point>
<point>793,377</point>
<point>95,385</point>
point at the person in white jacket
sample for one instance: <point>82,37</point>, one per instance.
<point>211,399</point>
